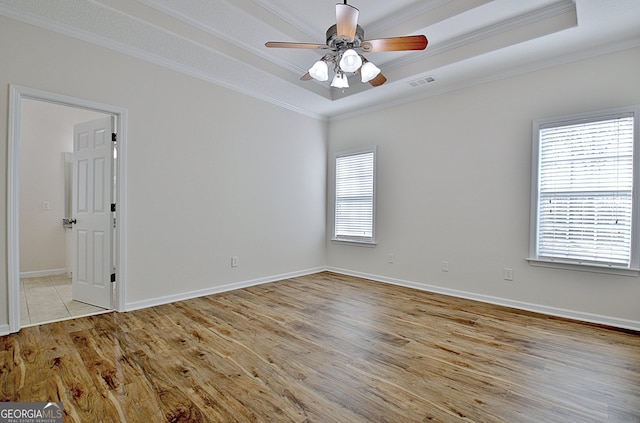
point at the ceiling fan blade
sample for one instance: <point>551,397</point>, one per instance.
<point>306,77</point>
<point>346,21</point>
<point>378,80</point>
<point>284,44</point>
<point>410,42</point>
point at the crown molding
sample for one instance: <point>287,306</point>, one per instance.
<point>430,91</point>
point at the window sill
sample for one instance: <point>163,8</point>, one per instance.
<point>585,267</point>
<point>356,243</point>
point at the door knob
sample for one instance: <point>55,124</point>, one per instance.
<point>67,223</point>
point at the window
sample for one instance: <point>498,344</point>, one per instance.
<point>355,196</point>
<point>585,190</point>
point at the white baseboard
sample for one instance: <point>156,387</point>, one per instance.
<point>551,311</point>
<point>136,305</point>
<point>520,305</point>
<point>42,273</point>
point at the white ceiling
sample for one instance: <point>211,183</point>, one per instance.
<point>470,41</point>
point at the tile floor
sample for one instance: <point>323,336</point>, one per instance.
<point>48,298</point>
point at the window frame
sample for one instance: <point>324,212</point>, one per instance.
<point>346,153</point>
<point>633,268</point>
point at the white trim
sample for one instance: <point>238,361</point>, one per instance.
<point>332,116</point>
<point>568,264</point>
<point>4,330</point>
<point>121,212</point>
<point>102,41</point>
<point>492,77</point>
<point>137,305</point>
<point>355,152</point>
<point>42,273</point>
<point>13,212</point>
<point>519,305</point>
<point>584,267</point>
<point>16,94</point>
<point>356,243</point>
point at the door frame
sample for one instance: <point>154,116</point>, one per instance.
<point>16,94</point>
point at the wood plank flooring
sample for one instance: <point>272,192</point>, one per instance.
<point>326,348</point>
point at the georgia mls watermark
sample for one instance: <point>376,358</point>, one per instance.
<point>31,412</point>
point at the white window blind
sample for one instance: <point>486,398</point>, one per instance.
<point>585,191</point>
<point>355,188</point>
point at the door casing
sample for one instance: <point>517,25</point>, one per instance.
<point>16,94</point>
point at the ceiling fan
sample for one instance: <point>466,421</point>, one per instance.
<point>345,41</point>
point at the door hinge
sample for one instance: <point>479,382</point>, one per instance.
<point>113,207</point>
<point>113,277</point>
<point>114,137</point>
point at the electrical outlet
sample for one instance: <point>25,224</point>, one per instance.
<point>445,266</point>
<point>389,258</point>
<point>45,205</point>
<point>507,274</point>
<point>234,261</point>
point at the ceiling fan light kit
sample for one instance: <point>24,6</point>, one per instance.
<point>345,40</point>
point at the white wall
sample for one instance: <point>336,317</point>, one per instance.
<point>211,173</point>
<point>46,131</point>
<point>454,185</point>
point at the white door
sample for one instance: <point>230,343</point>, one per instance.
<point>91,208</point>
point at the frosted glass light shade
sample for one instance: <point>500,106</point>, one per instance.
<point>369,71</point>
<point>340,81</point>
<point>350,61</point>
<point>319,71</point>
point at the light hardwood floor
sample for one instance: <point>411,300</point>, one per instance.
<point>326,348</point>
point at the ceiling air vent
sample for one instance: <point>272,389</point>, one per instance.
<point>422,81</point>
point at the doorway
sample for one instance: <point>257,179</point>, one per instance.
<point>47,184</point>
<point>52,273</point>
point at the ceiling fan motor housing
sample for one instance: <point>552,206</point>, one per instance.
<point>339,43</point>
